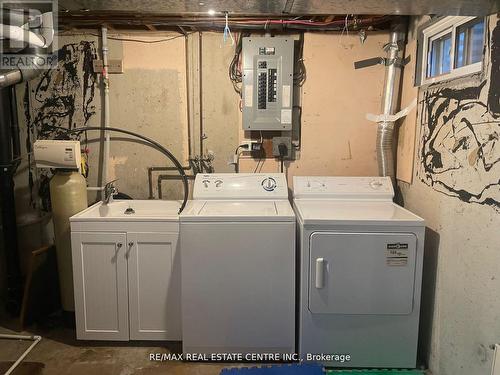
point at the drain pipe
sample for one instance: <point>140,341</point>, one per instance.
<point>105,80</point>
<point>36,339</point>
<point>390,97</point>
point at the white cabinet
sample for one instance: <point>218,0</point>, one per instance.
<point>127,285</point>
<point>100,281</point>
<point>153,286</point>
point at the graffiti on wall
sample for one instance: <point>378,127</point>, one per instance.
<point>460,137</point>
<point>63,97</point>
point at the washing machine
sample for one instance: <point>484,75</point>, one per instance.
<point>238,266</point>
<point>360,273</point>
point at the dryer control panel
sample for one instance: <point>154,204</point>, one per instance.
<point>372,188</point>
<point>240,186</point>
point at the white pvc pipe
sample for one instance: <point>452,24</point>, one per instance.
<point>36,339</point>
<point>105,79</point>
<point>22,33</point>
<point>18,34</point>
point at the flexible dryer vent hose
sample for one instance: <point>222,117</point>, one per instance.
<point>385,149</point>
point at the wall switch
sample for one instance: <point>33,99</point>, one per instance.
<point>287,141</point>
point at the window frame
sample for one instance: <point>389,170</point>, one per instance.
<point>437,29</point>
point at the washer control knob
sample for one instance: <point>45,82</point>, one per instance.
<point>205,183</point>
<point>218,183</point>
<point>376,184</point>
<point>269,184</point>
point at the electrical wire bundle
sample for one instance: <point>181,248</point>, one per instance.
<point>235,74</point>
<point>299,76</point>
<point>84,19</point>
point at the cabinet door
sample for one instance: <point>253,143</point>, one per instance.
<point>100,281</point>
<point>154,286</point>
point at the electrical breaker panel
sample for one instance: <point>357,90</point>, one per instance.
<point>267,83</point>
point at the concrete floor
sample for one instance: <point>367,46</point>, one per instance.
<point>59,353</point>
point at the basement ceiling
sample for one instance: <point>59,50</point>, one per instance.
<point>282,7</point>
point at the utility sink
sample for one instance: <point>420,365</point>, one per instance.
<point>129,210</point>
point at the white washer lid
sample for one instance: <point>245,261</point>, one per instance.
<point>345,212</point>
<point>238,210</point>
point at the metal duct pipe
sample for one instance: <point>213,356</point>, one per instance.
<point>390,97</point>
<point>15,76</point>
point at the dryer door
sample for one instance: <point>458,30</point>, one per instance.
<point>362,273</point>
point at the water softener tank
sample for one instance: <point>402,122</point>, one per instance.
<point>68,192</point>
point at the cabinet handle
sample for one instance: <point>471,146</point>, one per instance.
<point>130,245</point>
<point>320,273</point>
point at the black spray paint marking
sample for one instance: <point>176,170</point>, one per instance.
<point>57,94</point>
<point>494,92</point>
<point>459,149</point>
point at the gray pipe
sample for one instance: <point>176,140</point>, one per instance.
<point>390,98</point>
<point>15,76</point>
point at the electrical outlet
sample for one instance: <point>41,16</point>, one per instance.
<point>287,141</point>
<point>252,145</point>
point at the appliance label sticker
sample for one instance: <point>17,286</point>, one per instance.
<point>68,154</point>
<point>396,254</point>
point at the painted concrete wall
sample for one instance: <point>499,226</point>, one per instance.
<point>456,189</point>
<point>336,137</point>
<point>150,98</point>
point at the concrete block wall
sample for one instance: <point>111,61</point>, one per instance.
<point>456,189</point>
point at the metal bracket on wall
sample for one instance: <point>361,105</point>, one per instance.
<point>381,61</point>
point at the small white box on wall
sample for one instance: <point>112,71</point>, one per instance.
<point>59,154</point>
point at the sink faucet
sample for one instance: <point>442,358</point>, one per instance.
<point>109,191</point>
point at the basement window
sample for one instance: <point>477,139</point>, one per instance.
<point>451,47</point>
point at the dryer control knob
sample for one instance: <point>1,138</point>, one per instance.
<point>269,184</point>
